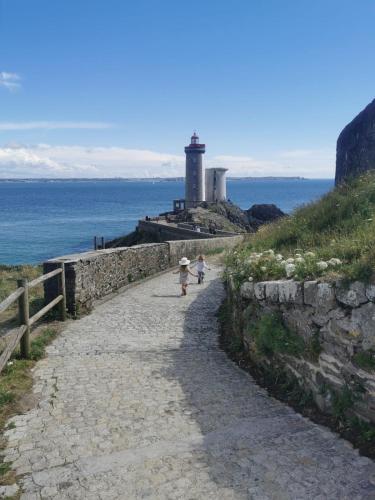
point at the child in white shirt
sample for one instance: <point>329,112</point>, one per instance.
<point>201,266</point>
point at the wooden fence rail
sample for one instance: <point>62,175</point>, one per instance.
<point>21,295</point>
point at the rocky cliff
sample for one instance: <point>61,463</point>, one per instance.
<point>356,145</point>
<point>222,216</point>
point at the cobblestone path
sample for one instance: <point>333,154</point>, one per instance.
<point>137,401</point>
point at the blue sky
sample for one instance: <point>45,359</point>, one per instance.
<point>116,87</point>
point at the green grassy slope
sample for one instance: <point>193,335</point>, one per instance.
<point>340,225</point>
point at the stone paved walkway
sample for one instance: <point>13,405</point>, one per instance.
<point>137,401</point>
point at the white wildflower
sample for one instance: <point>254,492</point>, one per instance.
<point>263,268</point>
<point>334,262</point>
<point>298,255</point>
<point>9,363</point>
<point>300,260</point>
<point>321,265</point>
<point>309,254</point>
<point>290,260</point>
<point>250,279</point>
<point>289,269</point>
<point>279,257</point>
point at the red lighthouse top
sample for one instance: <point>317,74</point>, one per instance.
<point>194,145</point>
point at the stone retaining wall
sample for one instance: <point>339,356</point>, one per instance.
<point>91,276</point>
<point>338,319</point>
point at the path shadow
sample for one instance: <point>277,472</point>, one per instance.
<point>253,446</point>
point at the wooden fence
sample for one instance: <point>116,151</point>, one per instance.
<point>21,295</point>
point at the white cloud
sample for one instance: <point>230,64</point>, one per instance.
<point>43,160</point>
<point>17,161</point>
<point>52,125</point>
<point>319,163</point>
<point>11,81</point>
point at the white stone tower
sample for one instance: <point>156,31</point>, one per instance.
<point>194,182</point>
<point>216,187</point>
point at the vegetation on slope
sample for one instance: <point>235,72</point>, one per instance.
<point>8,284</point>
<point>341,225</point>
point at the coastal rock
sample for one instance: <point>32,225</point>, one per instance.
<point>261,214</point>
<point>356,146</point>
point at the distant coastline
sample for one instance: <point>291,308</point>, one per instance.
<point>149,179</point>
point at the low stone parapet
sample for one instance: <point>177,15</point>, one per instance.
<point>90,276</point>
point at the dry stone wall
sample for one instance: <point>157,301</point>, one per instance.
<point>91,276</point>
<point>338,319</point>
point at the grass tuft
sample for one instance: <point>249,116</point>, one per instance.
<point>365,360</point>
<point>271,337</point>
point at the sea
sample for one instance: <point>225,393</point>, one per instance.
<point>45,219</point>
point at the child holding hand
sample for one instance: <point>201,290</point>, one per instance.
<point>201,266</point>
<point>184,272</point>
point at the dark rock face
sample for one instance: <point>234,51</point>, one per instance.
<point>356,145</point>
<point>231,212</point>
<point>261,214</point>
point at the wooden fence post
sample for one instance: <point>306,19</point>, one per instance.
<point>62,291</point>
<point>23,313</point>
<point>103,244</point>
<point>95,243</point>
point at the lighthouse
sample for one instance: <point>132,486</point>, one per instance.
<point>194,182</point>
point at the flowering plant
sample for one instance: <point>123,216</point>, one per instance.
<point>267,265</point>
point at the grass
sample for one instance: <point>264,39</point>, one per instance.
<point>272,337</point>
<point>215,251</point>
<point>8,284</point>
<point>10,274</point>
<point>340,225</point>
<point>15,383</point>
<point>365,360</point>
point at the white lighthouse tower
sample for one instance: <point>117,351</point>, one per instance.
<point>194,181</point>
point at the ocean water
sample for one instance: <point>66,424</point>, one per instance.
<point>41,220</point>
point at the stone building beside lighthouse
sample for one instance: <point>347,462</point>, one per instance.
<point>216,188</point>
